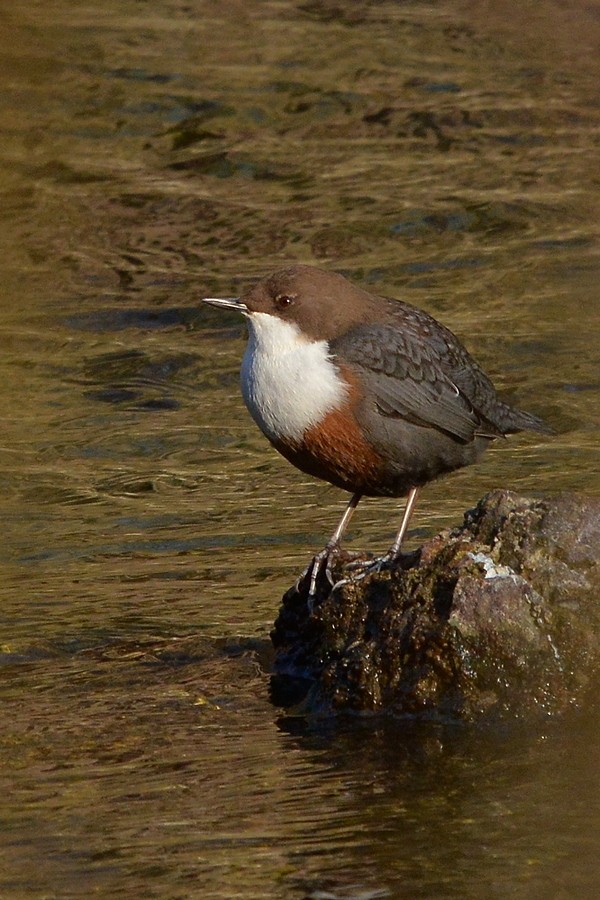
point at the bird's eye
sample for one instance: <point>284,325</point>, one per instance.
<point>283,300</point>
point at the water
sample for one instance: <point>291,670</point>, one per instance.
<point>155,153</point>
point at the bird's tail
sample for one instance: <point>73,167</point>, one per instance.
<point>518,420</point>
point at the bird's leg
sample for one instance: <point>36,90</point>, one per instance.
<point>394,552</point>
<point>324,556</point>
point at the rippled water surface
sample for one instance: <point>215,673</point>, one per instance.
<point>154,153</point>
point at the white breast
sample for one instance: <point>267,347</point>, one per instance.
<point>288,382</point>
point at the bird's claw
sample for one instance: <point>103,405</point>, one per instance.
<point>363,567</point>
<point>320,565</point>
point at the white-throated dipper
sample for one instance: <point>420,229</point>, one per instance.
<point>366,392</point>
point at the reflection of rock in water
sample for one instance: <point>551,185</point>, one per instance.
<point>499,617</point>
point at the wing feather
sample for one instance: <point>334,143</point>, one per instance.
<point>408,378</point>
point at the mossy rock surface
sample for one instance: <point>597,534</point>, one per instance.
<point>499,617</point>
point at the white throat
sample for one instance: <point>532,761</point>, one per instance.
<point>289,382</point>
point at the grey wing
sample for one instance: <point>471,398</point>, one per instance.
<point>407,379</point>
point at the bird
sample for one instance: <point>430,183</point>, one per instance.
<point>366,392</point>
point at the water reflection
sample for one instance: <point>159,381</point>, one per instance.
<point>442,812</point>
<point>155,154</point>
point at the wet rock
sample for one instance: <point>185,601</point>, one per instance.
<point>499,617</point>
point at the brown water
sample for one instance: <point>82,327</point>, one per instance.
<point>153,153</point>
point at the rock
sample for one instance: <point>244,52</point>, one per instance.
<point>497,618</point>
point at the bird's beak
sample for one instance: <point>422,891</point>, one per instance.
<point>226,303</point>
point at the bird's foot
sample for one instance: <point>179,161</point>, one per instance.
<point>318,567</point>
<point>361,568</point>
<point>320,572</point>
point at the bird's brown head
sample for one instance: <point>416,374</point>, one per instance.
<point>322,304</point>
